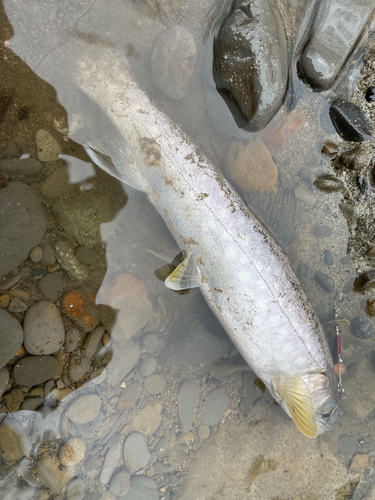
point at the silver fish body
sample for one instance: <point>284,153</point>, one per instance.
<point>244,275</point>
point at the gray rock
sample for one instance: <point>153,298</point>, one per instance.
<point>76,489</point>
<point>187,400</point>
<point>84,408</point>
<point>48,387</point>
<point>71,339</point>
<point>349,121</point>
<point>13,493</point>
<point>361,327</point>
<point>303,272</point>
<point>203,431</point>
<point>322,231</point>
<point>161,468</point>
<point>43,329</point>
<point>4,378</point>
<point>48,256</point>
<point>150,342</point>
<point>49,286</point>
<point>11,281</point>
<point>31,404</point>
<point>113,460</point>
<point>142,488</point>
<point>57,183</point>
<point>34,370</point>
<point>328,258</point>
<point>250,63</point>
<point>66,256</point>
<point>22,224</point>
<point>36,254</point>
<point>336,29</point>
<point>17,305</point>
<point>136,453</point>
<point>347,444</point>
<point>217,402</point>
<point>82,216</point>
<point>172,61</point>
<point>78,368</point>
<point>325,282</point>
<point>86,255</point>
<point>154,384</point>
<point>192,346</point>
<point>148,366</point>
<point>14,442</point>
<point>120,483</point>
<point>48,148</point>
<point>11,337</point>
<point>18,166</point>
<point>92,342</point>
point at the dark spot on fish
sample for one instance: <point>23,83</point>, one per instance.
<point>202,196</point>
<point>218,290</point>
<point>190,157</point>
<point>189,241</point>
<point>151,152</point>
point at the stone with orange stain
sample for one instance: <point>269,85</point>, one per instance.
<point>4,300</point>
<point>273,137</point>
<point>294,122</point>
<point>129,296</point>
<point>251,166</point>
<point>43,329</point>
<point>360,462</point>
<point>79,306</point>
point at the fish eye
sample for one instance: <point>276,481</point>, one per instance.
<point>327,414</point>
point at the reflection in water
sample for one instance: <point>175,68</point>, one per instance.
<point>133,397</point>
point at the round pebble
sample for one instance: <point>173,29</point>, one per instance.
<point>43,329</point>
<point>142,488</point>
<point>47,146</point>
<point>84,409</point>
<point>154,384</point>
<point>322,231</point>
<point>147,366</point>
<point>17,306</point>
<point>203,431</point>
<point>14,442</point>
<point>86,255</point>
<point>328,258</point>
<point>13,280</point>
<point>189,436</point>
<point>361,327</point>
<point>217,402</point>
<point>71,339</point>
<point>325,282</point>
<point>73,451</point>
<point>187,399</point>
<point>36,254</point>
<point>120,483</point>
<point>34,370</point>
<point>48,256</point>
<point>92,342</point>
<point>150,342</point>
<point>49,286</point>
<point>136,453</point>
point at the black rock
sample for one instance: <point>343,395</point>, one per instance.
<point>251,62</point>
<point>361,328</point>
<point>328,258</point>
<point>354,159</point>
<point>325,282</point>
<point>370,94</point>
<point>328,183</point>
<point>349,121</point>
<point>364,282</point>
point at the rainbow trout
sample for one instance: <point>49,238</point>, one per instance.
<point>241,271</point>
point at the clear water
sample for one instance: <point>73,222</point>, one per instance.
<point>255,451</point>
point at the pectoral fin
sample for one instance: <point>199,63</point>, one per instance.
<point>297,398</point>
<point>186,275</point>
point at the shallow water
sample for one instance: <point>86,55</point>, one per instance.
<point>254,450</point>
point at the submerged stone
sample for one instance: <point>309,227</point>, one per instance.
<point>337,27</point>
<point>349,121</point>
<point>250,63</point>
<point>328,183</point>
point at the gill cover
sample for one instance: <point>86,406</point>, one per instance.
<point>297,398</point>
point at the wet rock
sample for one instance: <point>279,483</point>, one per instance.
<point>4,378</point>
<point>92,342</point>
<point>34,370</point>
<point>11,337</point>
<point>370,95</point>
<point>31,404</point>
<point>172,61</point>
<point>49,286</point>
<point>273,137</point>
<point>80,308</point>
<point>328,258</point>
<point>52,476</point>
<point>84,408</point>
<point>43,329</point>
<point>76,489</point>
<point>154,384</point>
<point>72,452</point>
<point>336,29</point>
<point>148,366</point>
<point>48,256</point>
<point>8,283</point>
<point>347,444</point>
<point>216,404</point>
<point>86,255</point>
<point>322,231</point>
<point>18,166</point>
<point>17,306</point>
<point>259,174</point>
<point>250,63</point>
<point>47,147</point>
<point>361,328</point>
<point>113,460</point>
<point>325,282</point>
<point>364,282</point>
<point>150,342</point>
<point>65,255</point>
<point>142,488</point>
<point>329,183</point>
<point>349,121</point>
<point>120,483</point>
<point>203,431</point>
<point>354,159</point>
<point>78,368</point>
<point>82,216</point>
<point>14,442</point>
<point>187,400</point>
<point>147,420</point>
<point>22,224</point>
<point>126,356</point>
<point>57,183</point>
<point>130,397</point>
<point>330,149</point>
<point>136,453</point>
